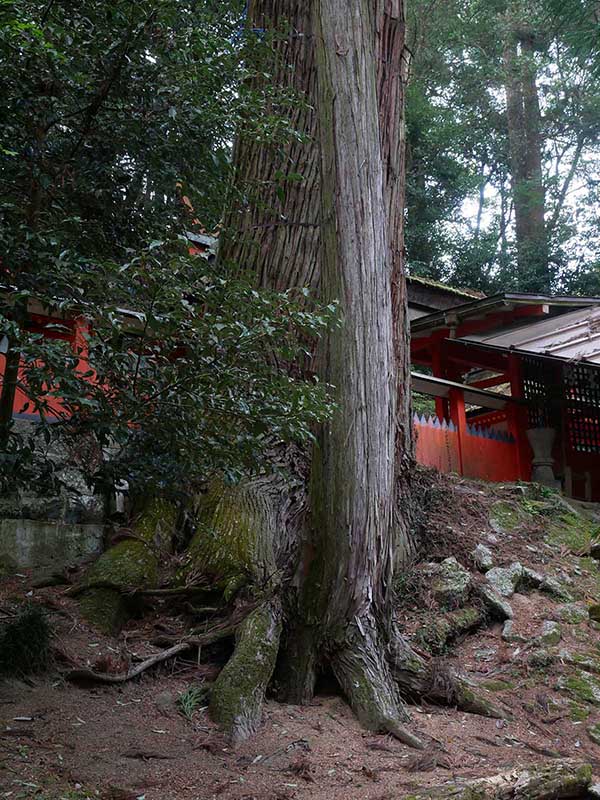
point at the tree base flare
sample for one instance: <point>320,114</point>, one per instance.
<point>363,673</point>
<point>237,697</point>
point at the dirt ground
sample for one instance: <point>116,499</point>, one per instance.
<point>58,740</point>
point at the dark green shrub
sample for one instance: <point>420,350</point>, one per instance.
<point>25,642</point>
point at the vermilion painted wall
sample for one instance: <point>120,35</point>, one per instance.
<point>489,459</point>
<point>72,332</point>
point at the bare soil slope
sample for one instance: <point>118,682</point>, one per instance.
<point>58,740</point>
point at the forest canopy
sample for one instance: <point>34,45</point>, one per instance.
<point>473,158</point>
<point>117,141</point>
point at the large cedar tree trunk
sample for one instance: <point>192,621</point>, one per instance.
<point>339,230</point>
<point>347,569</point>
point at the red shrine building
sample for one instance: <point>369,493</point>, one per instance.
<point>516,382</point>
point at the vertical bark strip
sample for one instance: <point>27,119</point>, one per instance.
<point>355,485</point>
<point>347,586</point>
<point>273,225</point>
<point>392,75</point>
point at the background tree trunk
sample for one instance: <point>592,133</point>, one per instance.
<point>525,144</point>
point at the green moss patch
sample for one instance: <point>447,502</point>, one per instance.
<point>497,686</point>
<point>156,524</point>
<point>578,713</point>
<point>551,633</point>
<point>505,516</point>
<point>106,609</point>
<point>236,697</point>
<point>572,613</point>
<point>572,531</point>
<point>440,630</point>
<point>582,686</point>
<point>586,661</point>
<point>129,564</point>
<point>594,733</point>
<point>229,543</point>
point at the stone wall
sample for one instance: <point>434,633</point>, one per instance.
<point>44,546</point>
<point>47,532</point>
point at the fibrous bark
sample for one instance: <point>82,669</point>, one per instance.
<point>339,231</point>
<point>273,225</point>
<point>346,574</point>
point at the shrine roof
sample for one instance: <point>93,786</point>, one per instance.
<point>550,305</point>
<point>573,336</point>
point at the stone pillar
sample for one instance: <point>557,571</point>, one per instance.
<point>541,441</point>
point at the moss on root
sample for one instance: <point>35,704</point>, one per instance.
<point>129,564</point>
<point>105,609</point>
<point>157,523</point>
<point>238,693</point>
<point>567,778</point>
<point>229,541</point>
<point>441,630</point>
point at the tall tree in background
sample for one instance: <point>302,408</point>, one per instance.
<point>484,173</point>
<point>524,123</point>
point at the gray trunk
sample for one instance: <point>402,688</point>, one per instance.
<point>525,144</point>
<point>272,224</point>
<point>346,241</point>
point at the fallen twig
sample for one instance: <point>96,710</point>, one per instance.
<point>83,674</point>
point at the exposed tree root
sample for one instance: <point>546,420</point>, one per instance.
<point>554,781</point>
<point>363,673</point>
<point>238,693</point>
<point>83,675</point>
<point>133,591</point>
<point>421,679</point>
<point>448,688</point>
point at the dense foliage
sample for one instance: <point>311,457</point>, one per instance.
<point>115,141</point>
<point>460,181</point>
